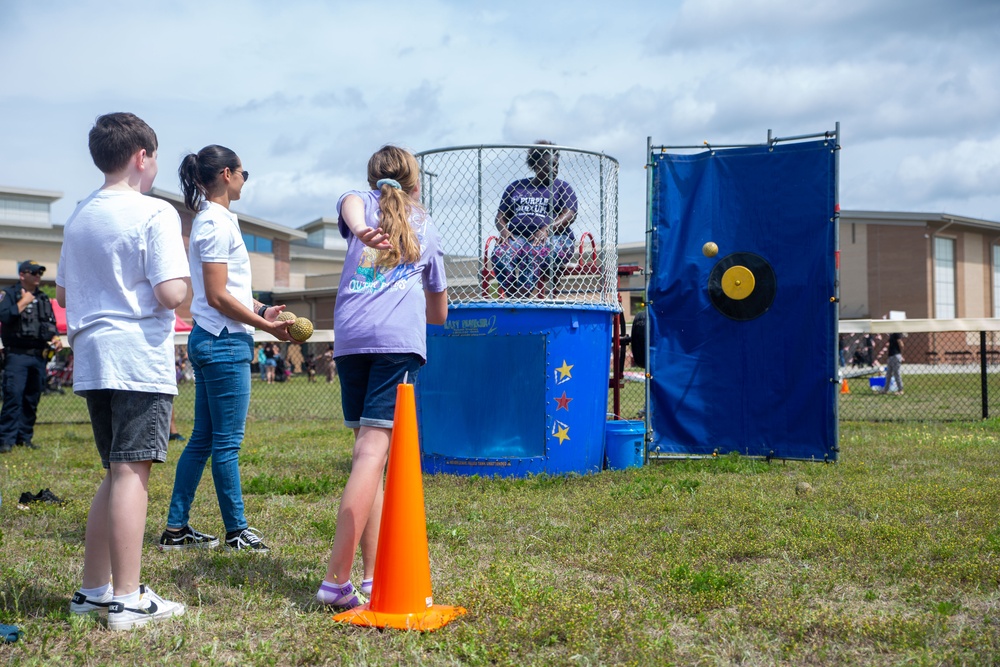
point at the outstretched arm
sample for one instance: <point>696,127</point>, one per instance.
<point>353,213</point>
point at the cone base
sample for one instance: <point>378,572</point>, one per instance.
<point>434,617</point>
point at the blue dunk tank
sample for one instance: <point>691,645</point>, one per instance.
<point>516,381</point>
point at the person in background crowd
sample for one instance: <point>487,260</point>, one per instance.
<point>331,364</point>
<point>894,364</point>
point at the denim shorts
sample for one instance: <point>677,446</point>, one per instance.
<point>368,386</point>
<point>129,426</point>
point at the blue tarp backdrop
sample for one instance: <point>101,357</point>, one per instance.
<point>767,385</point>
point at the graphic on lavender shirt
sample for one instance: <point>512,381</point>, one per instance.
<point>371,279</point>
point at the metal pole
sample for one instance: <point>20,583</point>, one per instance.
<point>616,376</point>
<point>430,193</point>
<point>982,375</point>
<point>479,194</point>
<point>423,186</point>
<point>649,270</point>
<point>836,280</point>
<point>605,250</point>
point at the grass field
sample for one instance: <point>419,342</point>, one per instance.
<point>891,556</point>
<point>936,396</point>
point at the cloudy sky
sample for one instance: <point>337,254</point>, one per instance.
<point>306,90</point>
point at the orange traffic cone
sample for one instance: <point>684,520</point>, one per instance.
<point>844,389</point>
<point>401,592</point>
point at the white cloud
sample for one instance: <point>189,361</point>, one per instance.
<point>969,168</point>
<point>295,198</point>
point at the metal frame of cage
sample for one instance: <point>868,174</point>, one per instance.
<point>832,135</point>
<point>461,188</point>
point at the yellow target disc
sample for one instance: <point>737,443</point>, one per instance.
<point>738,282</point>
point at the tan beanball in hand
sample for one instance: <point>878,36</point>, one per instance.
<point>301,329</point>
<point>284,316</point>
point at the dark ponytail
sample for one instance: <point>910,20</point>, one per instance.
<point>200,173</point>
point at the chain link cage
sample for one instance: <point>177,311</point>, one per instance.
<point>525,224</point>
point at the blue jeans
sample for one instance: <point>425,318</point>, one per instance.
<point>221,401</point>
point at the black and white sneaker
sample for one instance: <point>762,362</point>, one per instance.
<point>81,604</point>
<point>151,607</point>
<point>246,540</point>
<point>186,538</point>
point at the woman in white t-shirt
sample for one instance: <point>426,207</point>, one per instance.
<point>220,348</point>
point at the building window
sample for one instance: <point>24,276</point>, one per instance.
<point>17,210</point>
<point>257,243</point>
<point>996,281</point>
<point>944,278</point>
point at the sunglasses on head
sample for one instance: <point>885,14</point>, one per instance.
<point>37,272</point>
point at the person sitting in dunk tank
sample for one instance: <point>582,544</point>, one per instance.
<point>534,219</point>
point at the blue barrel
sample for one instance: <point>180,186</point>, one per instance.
<point>625,445</point>
<point>517,390</point>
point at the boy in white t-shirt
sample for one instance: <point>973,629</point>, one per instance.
<point>121,273</point>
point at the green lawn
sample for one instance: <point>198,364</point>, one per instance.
<point>928,396</point>
<point>891,556</point>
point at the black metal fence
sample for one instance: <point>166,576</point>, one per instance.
<point>946,376</point>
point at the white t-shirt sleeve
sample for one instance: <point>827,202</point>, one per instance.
<point>165,257</point>
<point>60,270</point>
<point>214,242</point>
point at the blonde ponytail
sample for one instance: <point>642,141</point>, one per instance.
<point>395,174</point>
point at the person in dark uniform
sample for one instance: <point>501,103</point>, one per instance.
<point>28,331</point>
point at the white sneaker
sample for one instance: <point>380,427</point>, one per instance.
<point>151,607</point>
<point>81,604</point>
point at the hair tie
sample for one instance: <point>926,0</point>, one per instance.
<point>388,181</point>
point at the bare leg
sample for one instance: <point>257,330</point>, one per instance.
<point>127,500</point>
<point>369,538</point>
<point>97,547</point>
<point>371,451</point>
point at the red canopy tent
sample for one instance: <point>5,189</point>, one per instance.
<point>60,313</point>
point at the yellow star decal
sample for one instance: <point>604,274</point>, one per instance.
<point>564,371</point>
<point>562,433</point>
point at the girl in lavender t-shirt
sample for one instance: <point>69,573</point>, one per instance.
<point>392,285</point>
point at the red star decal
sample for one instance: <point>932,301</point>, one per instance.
<point>563,402</point>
